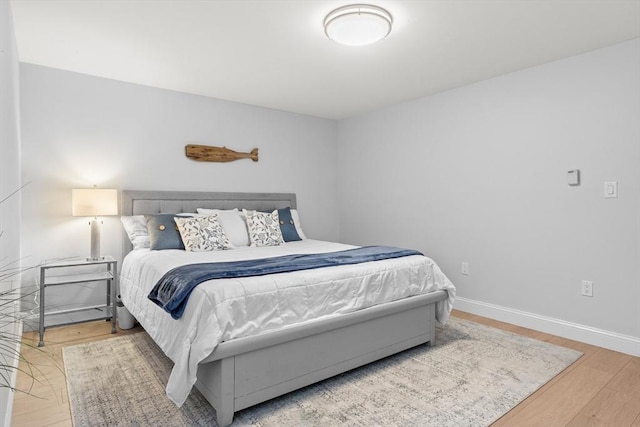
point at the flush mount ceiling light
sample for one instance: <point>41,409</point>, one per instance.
<point>358,24</point>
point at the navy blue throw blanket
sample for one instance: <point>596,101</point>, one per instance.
<point>173,289</point>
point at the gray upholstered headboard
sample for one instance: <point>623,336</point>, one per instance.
<point>136,202</point>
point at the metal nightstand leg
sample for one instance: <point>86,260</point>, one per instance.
<point>41,321</point>
<point>113,290</point>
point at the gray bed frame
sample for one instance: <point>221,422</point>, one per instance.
<point>246,371</point>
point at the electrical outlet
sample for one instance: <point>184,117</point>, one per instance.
<point>587,288</point>
<point>465,268</point>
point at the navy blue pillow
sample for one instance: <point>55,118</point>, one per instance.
<point>163,232</point>
<point>287,227</point>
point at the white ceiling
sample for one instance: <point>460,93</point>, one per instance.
<point>274,53</point>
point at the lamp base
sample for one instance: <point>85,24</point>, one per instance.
<point>95,240</point>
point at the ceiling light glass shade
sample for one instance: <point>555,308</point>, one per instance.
<point>358,24</point>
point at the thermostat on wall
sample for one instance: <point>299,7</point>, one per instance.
<point>573,177</point>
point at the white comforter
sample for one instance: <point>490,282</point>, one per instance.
<point>223,309</point>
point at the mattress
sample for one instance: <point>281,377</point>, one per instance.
<point>224,309</point>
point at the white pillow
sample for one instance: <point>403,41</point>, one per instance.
<point>296,222</point>
<point>264,228</point>
<point>202,233</point>
<point>233,224</point>
<point>136,228</point>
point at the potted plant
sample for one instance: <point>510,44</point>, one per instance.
<point>10,320</point>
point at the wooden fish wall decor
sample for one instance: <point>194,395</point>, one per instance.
<point>207,153</point>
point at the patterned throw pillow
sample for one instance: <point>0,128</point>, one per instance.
<point>264,228</point>
<point>233,224</point>
<point>202,233</point>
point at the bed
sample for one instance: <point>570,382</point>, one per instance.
<point>259,363</point>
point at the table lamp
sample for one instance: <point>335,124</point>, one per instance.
<point>94,202</point>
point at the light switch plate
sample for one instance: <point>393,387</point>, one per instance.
<point>573,177</point>
<point>611,189</point>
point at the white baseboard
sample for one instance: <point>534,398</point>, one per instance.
<point>6,395</point>
<point>601,338</point>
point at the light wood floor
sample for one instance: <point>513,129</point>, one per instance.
<point>601,389</point>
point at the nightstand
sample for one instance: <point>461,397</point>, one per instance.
<point>79,271</point>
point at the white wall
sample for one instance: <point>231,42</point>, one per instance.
<point>476,174</point>
<point>9,141</point>
<point>479,174</point>
<point>9,182</point>
<point>80,130</point>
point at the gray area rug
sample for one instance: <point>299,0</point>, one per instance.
<point>473,376</point>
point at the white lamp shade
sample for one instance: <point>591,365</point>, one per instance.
<point>94,202</point>
<point>358,25</point>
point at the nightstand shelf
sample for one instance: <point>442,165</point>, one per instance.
<point>78,271</point>
<point>78,278</point>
